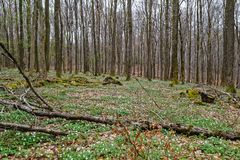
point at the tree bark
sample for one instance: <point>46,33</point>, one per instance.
<point>130,42</point>
<point>47,36</point>
<point>148,8</point>
<point>21,42</point>
<point>29,34</point>
<point>209,43</point>
<point>228,44</point>
<point>57,38</point>
<point>94,40</point>
<point>76,37</point>
<point>175,14</point>
<point>166,44</point>
<point>5,24</point>
<point>36,53</point>
<point>113,51</point>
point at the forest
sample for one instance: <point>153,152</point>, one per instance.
<point>120,79</point>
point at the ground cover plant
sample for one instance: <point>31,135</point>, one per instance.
<point>97,141</point>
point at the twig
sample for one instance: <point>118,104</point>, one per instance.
<point>6,89</point>
<point>128,136</point>
<point>148,94</point>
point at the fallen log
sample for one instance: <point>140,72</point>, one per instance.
<point>207,98</point>
<point>27,128</point>
<point>146,125</point>
<point>56,114</point>
<point>110,80</point>
<point>191,131</point>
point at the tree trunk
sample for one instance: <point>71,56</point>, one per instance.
<point>175,14</point>
<point>148,7</point>
<point>228,44</point>
<point>36,54</point>
<point>113,52</point>
<point>85,53</point>
<point>94,40</point>
<point>209,44</point>
<point>43,69</point>
<point>76,37</point>
<point>29,34</point>
<point>130,46</point>
<point>47,35</point>
<point>5,24</point>
<point>57,38</point>
<point>166,44</point>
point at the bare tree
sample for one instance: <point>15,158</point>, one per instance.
<point>175,14</point>
<point>57,38</point>
<point>228,44</point>
<point>130,45</point>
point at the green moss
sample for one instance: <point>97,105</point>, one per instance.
<point>193,93</point>
<point>231,89</point>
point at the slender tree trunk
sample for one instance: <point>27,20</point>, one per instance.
<point>175,14</point>
<point>96,72</point>
<point>5,24</point>
<point>130,45</point>
<point>76,37</point>
<point>209,44</point>
<point>36,54</point>
<point>114,24</point>
<point>57,38</point>
<point>98,36</point>
<point>42,34</point>
<point>166,44</point>
<point>84,35</point>
<point>148,5</point>
<point>11,31</point>
<point>29,34</point>
<point>228,44</point>
<point>161,73</point>
<point>21,42</point>
<point>201,52</point>
<point>17,27</point>
<point>198,44</point>
<point>47,35</point>
<point>182,51</point>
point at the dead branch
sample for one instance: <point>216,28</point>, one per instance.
<point>146,125</point>
<point>9,55</point>
<point>27,128</point>
<point>62,115</point>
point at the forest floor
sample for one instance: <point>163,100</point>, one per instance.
<point>95,141</point>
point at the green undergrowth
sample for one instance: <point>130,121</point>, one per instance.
<point>218,146</point>
<point>127,102</point>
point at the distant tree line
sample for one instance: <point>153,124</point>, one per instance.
<point>185,40</point>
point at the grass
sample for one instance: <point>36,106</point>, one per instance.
<point>130,101</point>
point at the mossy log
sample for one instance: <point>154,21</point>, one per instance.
<point>111,80</point>
<point>146,125</point>
<point>207,98</point>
